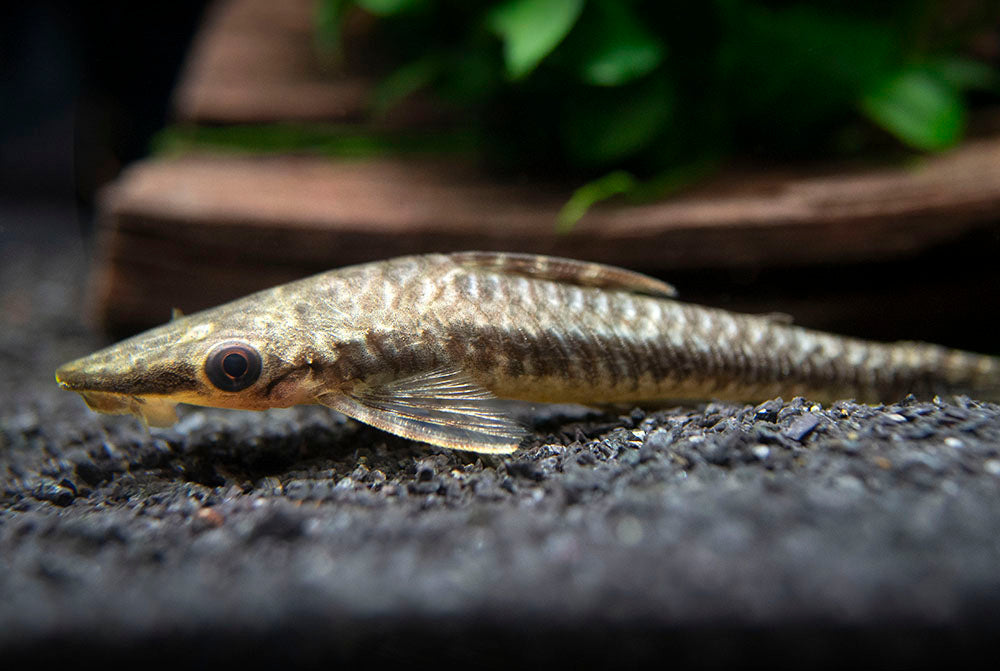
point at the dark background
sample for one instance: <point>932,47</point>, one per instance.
<point>84,86</point>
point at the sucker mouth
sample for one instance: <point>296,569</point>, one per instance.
<point>64,378</point>
<point>156,412</point>
<point>109,403</point>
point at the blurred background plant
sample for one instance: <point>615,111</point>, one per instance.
<point>642,97</point>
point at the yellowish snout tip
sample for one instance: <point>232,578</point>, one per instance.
<point>71,376</point>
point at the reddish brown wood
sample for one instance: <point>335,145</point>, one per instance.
<point>256,61</point>
<point>193,231</point>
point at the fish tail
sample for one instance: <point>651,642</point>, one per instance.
<point>826,366</point>
<point>932,369</point>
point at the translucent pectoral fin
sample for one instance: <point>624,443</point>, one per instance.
<point>157,412</point>
<point>442,407</point>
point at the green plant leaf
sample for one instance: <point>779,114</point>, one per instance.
<point>590,194</point>
<point>796,71</point>
<point>389,7</point>
<point>328,17</point>
<point>470,76</point>
<point>341,141</point>
<point>404,82</point>
<point>919,108</point>
<point>618,48</point>
<point>531,29</point>
<point>965,73</point>
<point>608,125</point>
<point>619,182</point>
<point>675,179</point>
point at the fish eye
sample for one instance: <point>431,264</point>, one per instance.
<point>232,365</point>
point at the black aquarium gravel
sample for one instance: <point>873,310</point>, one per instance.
<point>786,532</point>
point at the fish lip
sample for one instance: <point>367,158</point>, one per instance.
<point>68,378</point>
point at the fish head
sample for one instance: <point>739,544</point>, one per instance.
<point>225,357</point>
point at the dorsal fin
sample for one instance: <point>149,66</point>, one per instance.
<point>558,269</point>
<point>782,318</point>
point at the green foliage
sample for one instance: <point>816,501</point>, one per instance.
<point>531,29</point>
<point>591,193</point>
<point>404,82</point>
<point>919,107</point>
<point>962,73</point>
<point>646,88</point>
<point>614,46</point>
<point>329,15</point>
<point>617,123</point>
<point>621,182</point>
<point>390,7</point>
<point>292,138</point>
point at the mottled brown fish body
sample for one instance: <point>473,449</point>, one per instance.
<point>555,341</point>
<point>422,346</point>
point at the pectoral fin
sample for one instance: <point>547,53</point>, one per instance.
<point>157,412</point>
<point>443,407</point>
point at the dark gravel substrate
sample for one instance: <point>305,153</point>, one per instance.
<point>700,536</point>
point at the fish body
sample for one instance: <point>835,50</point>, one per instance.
<point>422,346</point>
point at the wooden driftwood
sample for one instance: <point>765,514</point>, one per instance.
<point>191,232</point>
<point>901,250</point>
<point>254,60</point>
<point>257,61</point>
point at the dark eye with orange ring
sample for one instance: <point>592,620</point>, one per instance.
<point>232,365</point>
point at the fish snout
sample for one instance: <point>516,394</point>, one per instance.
<point>71,376</point>
<point>130,372</point>
<point>83,377</point>
<point>88,374</point>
